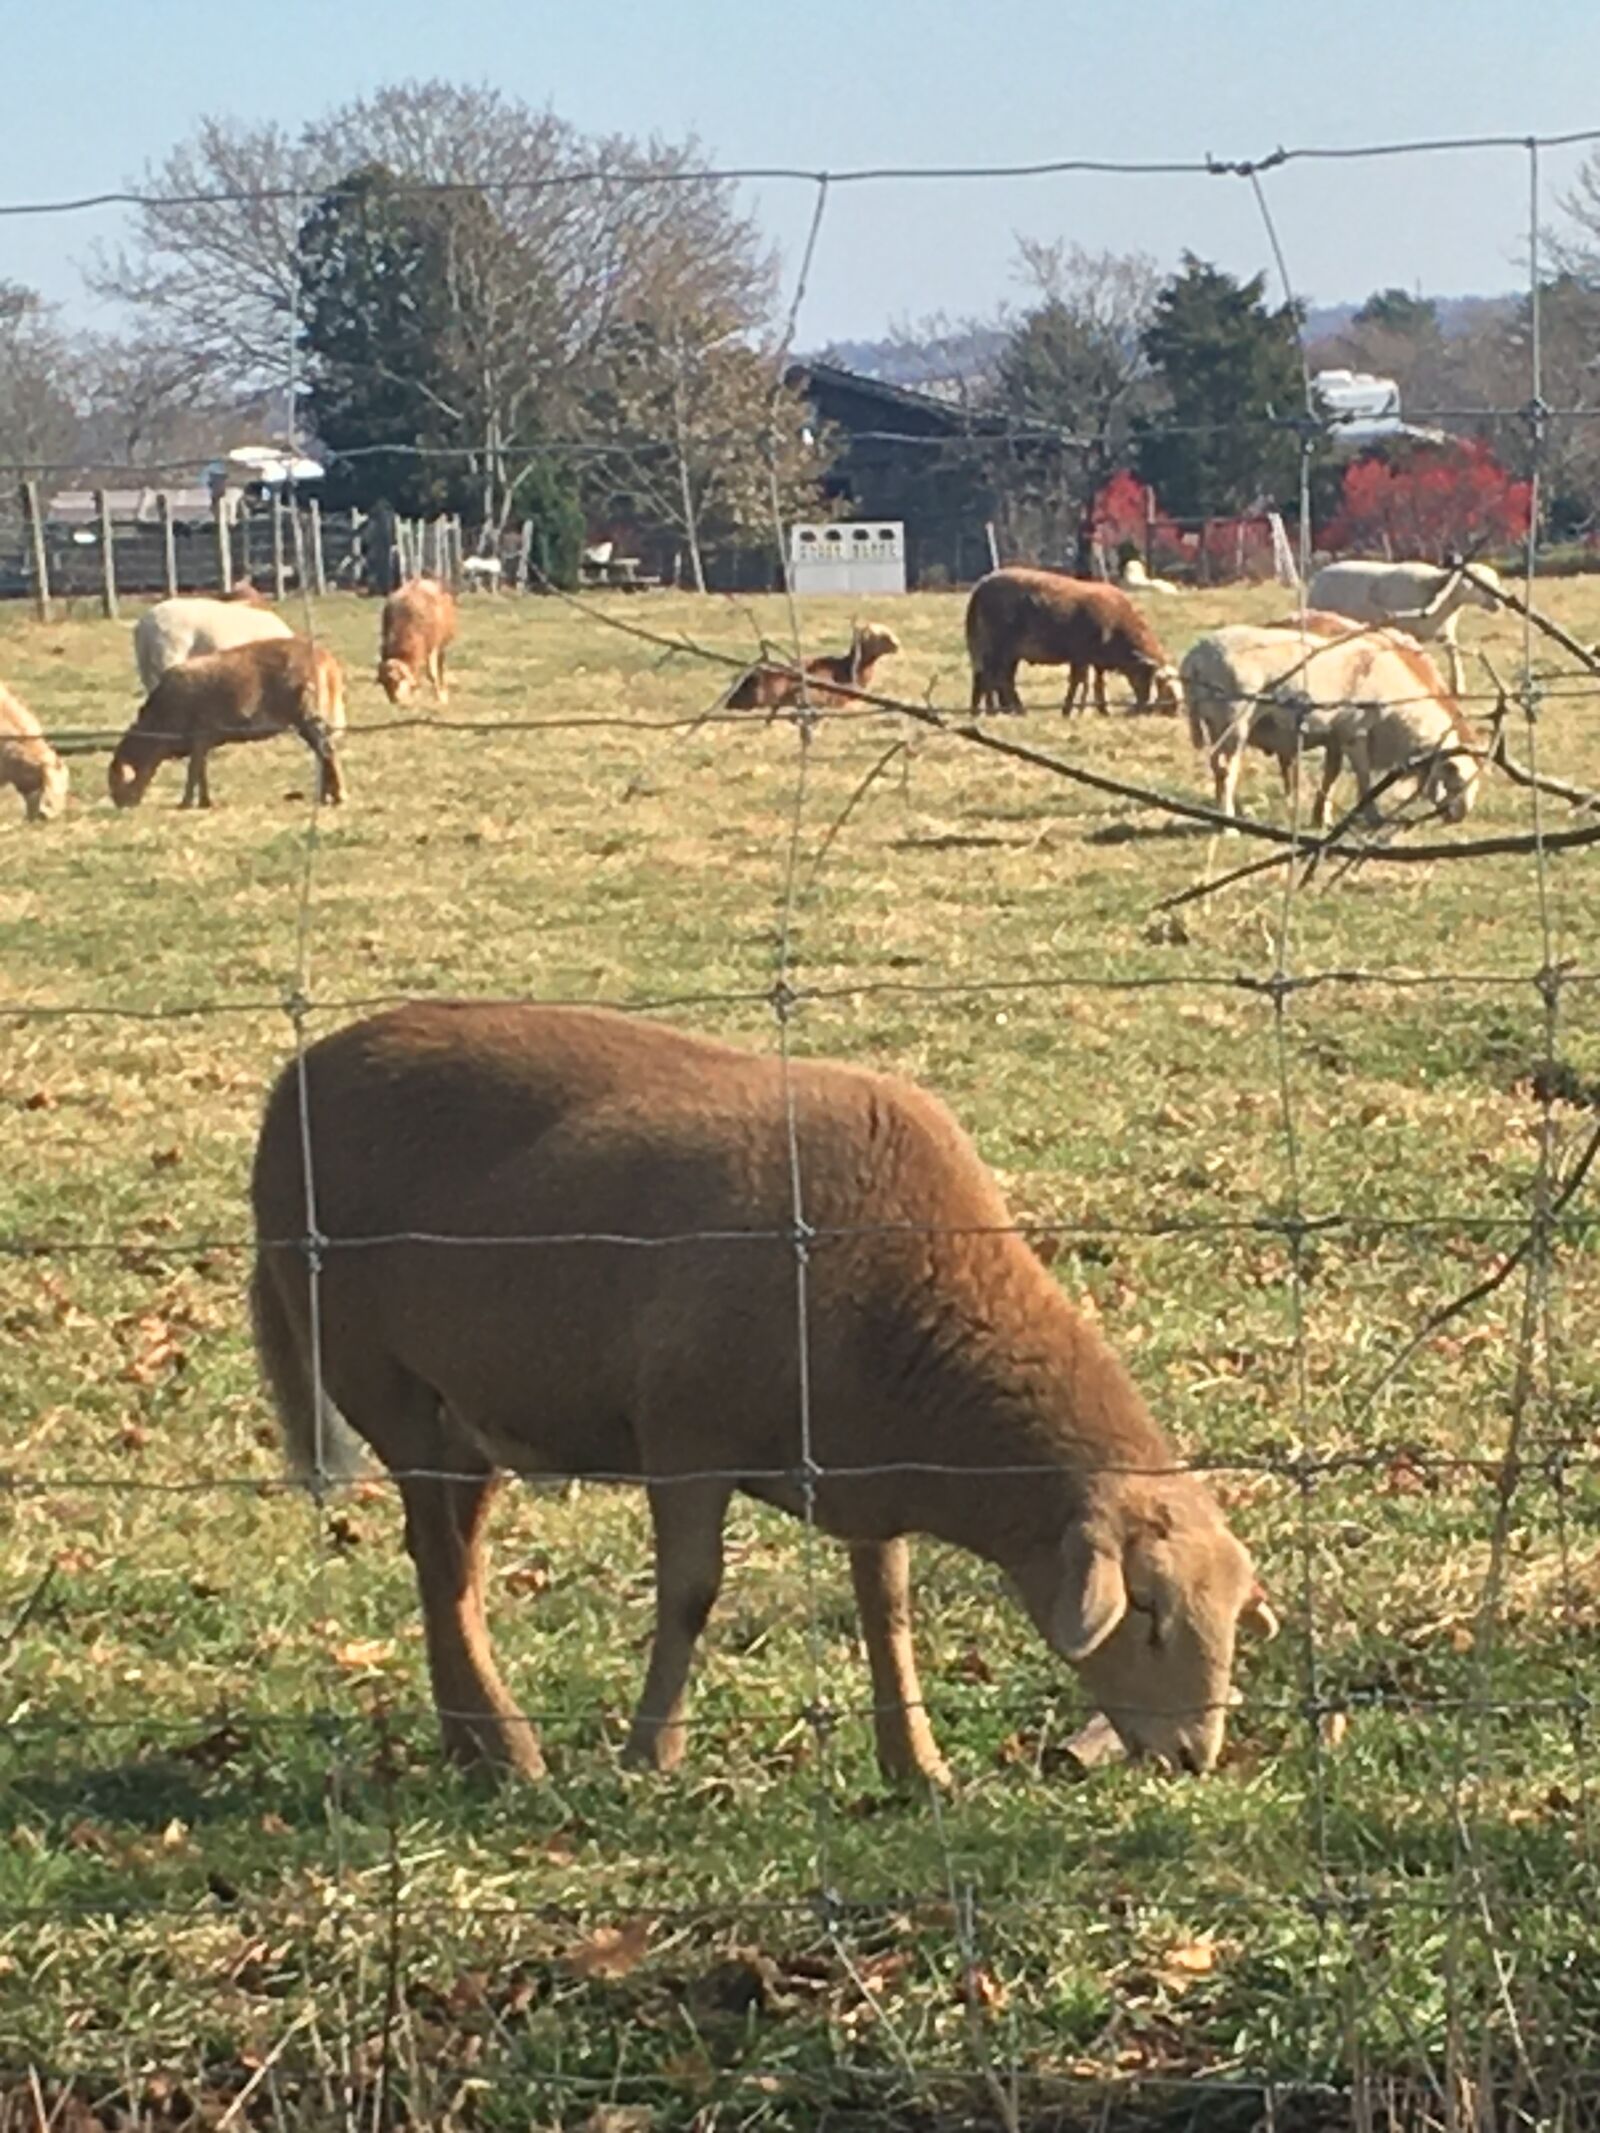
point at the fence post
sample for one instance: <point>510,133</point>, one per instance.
<point>108,556</point>
<point>319,574</point>
<point>525,556</point>
<point>279,583</point>
<point>219,514</point>
<point>41,566</point>
<point>455,545</point>
<point>169,550</point>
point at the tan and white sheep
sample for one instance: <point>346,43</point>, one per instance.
<point>1039,617</point>
<point>418,628</point>
<point>248,693</point>
<point>28,763</point>
<point>175,630</point>
<point>1369,698</point>
<point>651,1333</point>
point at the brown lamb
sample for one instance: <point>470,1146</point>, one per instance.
<point>577,1255</point>
<point>1050,620</point>
<point>830,678</point>
<point>248,693</point>
<point>28,762</point>
<point>419,625</point>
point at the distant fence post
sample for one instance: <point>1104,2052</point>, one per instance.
<point>280,584</point>
<point>169,549</point>
<point>319,573</point>
<point>525,556</point>
<point>108,555</point>
<point>219,514</point>
<point>41,567</point>
<point>455,547</point>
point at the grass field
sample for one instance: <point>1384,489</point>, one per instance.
<point>232,1861</point>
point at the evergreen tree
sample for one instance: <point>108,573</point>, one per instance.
<point>1228,366</point>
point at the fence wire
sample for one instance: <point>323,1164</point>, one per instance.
<point>1398,1942</point>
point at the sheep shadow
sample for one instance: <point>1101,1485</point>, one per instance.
<point>1149,832</point>
<point>960,841</point>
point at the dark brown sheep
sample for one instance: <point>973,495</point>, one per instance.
<point>829,677</point>
<point>577,1256</point>
<point>1050,620</point>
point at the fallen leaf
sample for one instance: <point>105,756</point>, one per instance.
<point>1332,1728</point>
<point>611,1951</point>
<point>175,1837</point>
<point>526,1579</point>
<point>620,2118</point>
<point>1185,1962</point>
<point>166,1158</point>
<point>40,1100</point>
<point>362,1652</point>
<point>133,1436</point>
<point>983,1989</point>
<point>273,1825</point>
<point>89,1837</point>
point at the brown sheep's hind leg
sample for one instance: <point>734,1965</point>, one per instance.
<point>688,1517</point>
<point>446,1505</point>
<point>907,1753</point>
<point>196,785</point>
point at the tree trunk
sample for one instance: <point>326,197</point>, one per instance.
<point>691,517</point>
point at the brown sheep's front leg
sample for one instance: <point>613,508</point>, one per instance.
<point>907,1753</point>
<point>688,1527</point>
<point>1100,692</point>
<point>196,783</point>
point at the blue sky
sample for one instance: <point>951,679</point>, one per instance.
<point>97,88</point>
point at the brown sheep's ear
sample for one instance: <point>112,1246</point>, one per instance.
<point>1257,1615</point>
<point>1091,1599</point>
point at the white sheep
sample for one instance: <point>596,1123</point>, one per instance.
<point>1423,599</point>
<point>175,630</point>
<point>1370,698</point>
<point>1136,579</point>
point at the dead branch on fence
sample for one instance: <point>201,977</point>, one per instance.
<point>1583,653</point>
<point>1533,780</point>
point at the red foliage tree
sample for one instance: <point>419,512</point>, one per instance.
<point>1455,498</point>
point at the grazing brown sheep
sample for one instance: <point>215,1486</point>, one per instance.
<point>577,1256</point>
<point>28,762</point>
<point>1050,620</point>
<point>419,624</point>
<point>829,677</point>
<point>248,693</point>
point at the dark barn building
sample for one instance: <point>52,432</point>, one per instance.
<point>908,455</point>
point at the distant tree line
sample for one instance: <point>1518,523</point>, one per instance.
<point>468,305</point>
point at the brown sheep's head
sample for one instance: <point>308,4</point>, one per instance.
<point>874,642</point>
<point>135,763</point>
<point>49,797</point>
<point>396,680</point>
<point>1146,1597</point>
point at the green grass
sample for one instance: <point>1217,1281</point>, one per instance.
<point>221,1780</point>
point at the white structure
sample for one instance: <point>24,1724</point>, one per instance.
<point>1363,408</point>
<point>864,558</point>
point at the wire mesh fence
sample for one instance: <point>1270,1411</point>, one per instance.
<point>1318,1155</point>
